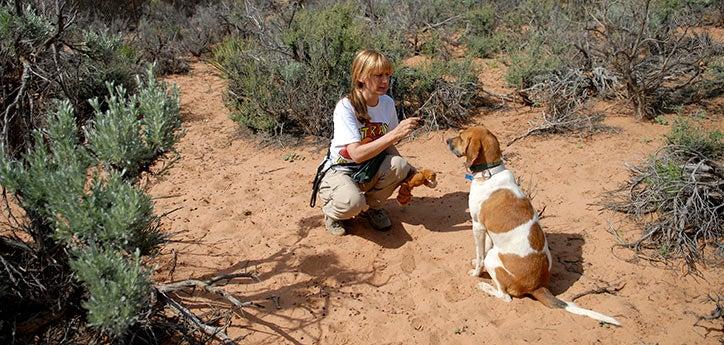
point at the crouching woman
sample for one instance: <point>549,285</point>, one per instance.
<point>363,167</point>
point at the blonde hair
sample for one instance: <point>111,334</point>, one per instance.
<point>365,63</point>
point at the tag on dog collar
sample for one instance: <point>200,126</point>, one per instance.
<point>469,177</point>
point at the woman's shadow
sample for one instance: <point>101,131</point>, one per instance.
<point>441,214</point>
<point>445,213</point>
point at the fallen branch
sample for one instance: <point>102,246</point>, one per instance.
<point>216,332</point>
<point>209,286</point>
<point>717,313</point>
<point>599,290</point>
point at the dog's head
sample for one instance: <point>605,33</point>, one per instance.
<point>477,144</point>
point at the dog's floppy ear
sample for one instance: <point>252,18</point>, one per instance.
<point>473,150</point>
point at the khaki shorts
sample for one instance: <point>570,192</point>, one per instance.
<point>342,198</point>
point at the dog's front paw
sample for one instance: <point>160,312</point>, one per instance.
<point>475,272</point>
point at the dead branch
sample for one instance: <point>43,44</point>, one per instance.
<point>24,82</point>
<point>216,332</point>
<point>209,286</point>
<point>715,314</point>
<point>599,290</point>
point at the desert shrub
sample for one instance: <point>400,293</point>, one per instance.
<point>443,93</point>
<point>206,26</point>
<point>129,10</point>
<point>652,50</point>
<point>486,46</point>
<point>677,194</point>
<point>287,76</point>
<point>565,95</point>
<point>291,88</point>
<point>135,130</point>
<point>50,185</point>
<point>481,37</point>
<point>530,63</point>
<point>40,61</point>
<point>422,26</point>
<point>120,288</point>
<point>686,135</point>
<point>89,227</point>
<point>158,38</point>
<point>159,108</point>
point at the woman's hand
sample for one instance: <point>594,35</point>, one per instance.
<point>406,126</point>
<point>362,151</point>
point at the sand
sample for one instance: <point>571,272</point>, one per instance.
<point>240,206</point>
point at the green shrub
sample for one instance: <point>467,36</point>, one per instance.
<point>677,194</point>
<point>112,214</point>
<point>528,64</point>
<point>98,216</point>
<point>443,92</point>
<point>486,46</point>
<point>114,136</point>
<point>119,288</point>
<point>134,130</point>
<point>76,69</point>
<point>160,111</point>
<point>54,173</point>
<point>293,89</point>
<point>482,21</point>
<point>686,135</point>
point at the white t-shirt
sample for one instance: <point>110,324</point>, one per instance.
<point>348,130</point>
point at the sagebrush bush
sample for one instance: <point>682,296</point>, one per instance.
<point>90,221</point>
<point>652,48</point>
<point>687,135</point>
<point>159,36</point>
<point>677,194</point>
<point>134,130</point>
<point>160,110</point>
<point>443,93</point>
<point>119,288</point>
<point>294,88</point>
<point>486,46</point>
<point>526,65</point>
<point>481,38</point>
<point>114,135</point>
<point>39,63</point>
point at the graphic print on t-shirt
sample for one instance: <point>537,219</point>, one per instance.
<point>369,132</point>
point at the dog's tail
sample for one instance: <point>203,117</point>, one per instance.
<point>544,296</point>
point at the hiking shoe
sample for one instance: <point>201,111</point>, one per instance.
<point>378,219</point>
<point>334,226</point>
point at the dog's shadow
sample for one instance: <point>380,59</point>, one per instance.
<point>566,251</point>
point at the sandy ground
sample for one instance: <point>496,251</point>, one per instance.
<point>241,207</point>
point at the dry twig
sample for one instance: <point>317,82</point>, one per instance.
<point>610,289</point>
<point>208,285</point>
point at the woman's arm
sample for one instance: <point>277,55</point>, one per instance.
<point>360,152</point>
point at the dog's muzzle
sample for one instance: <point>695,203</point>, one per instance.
<point>453,148</point>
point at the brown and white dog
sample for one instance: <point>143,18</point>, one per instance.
<point>509,242</point>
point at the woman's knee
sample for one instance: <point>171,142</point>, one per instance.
<point>346,204</point>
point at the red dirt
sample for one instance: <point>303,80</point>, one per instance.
<point>242,207</point>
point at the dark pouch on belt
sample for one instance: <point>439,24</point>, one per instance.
<point>368,169</point>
